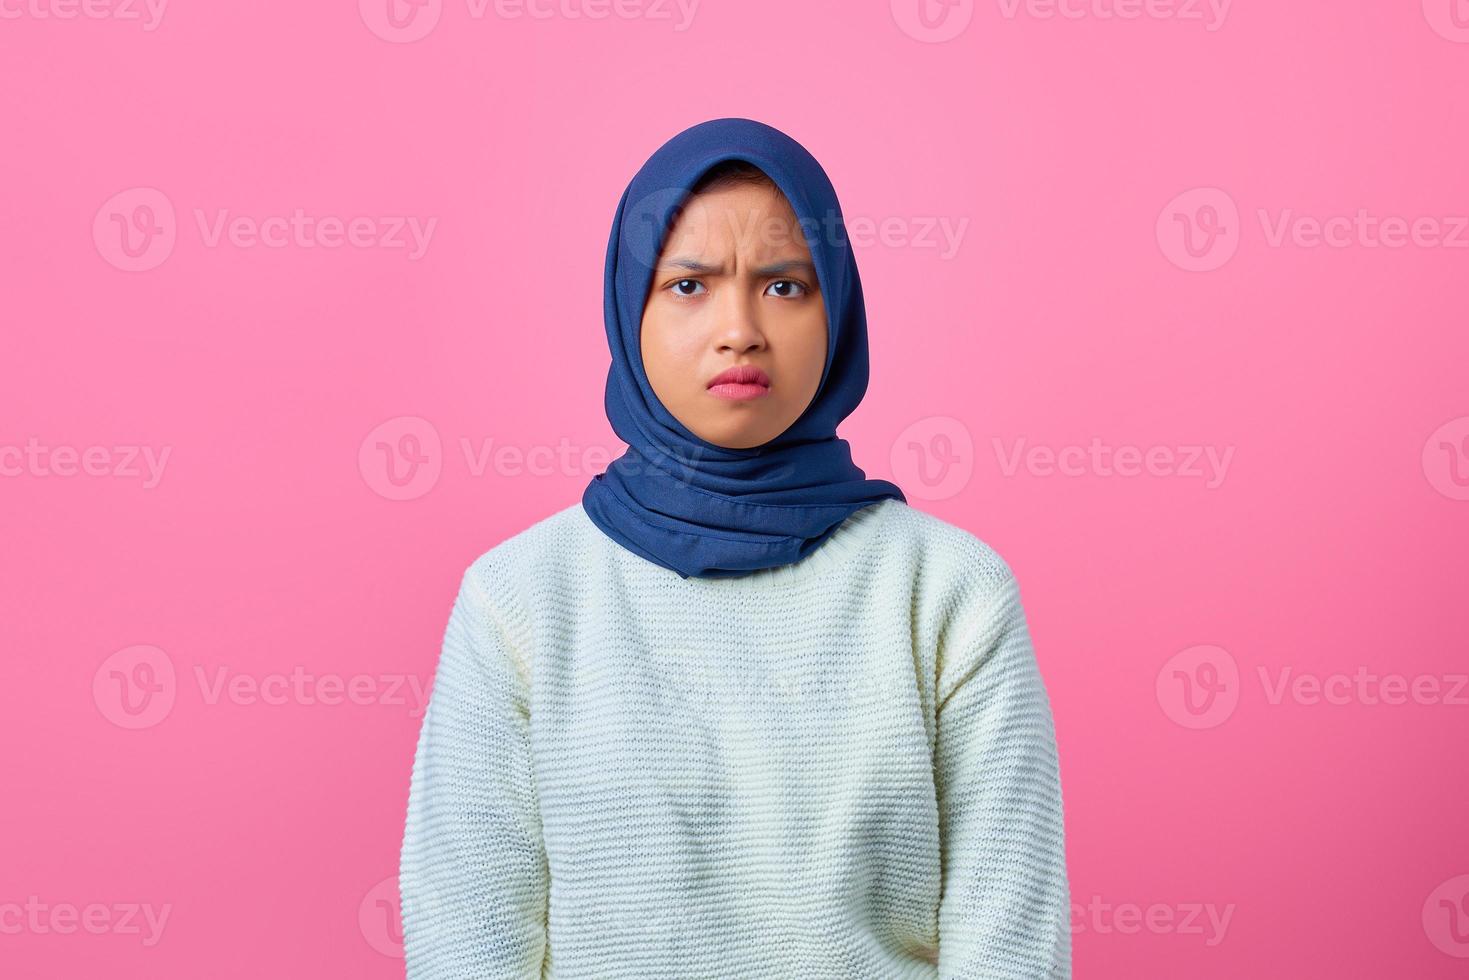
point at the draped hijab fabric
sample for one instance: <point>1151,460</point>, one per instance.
<point>689,505</point>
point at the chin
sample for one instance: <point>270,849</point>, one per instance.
<point>735,437</point>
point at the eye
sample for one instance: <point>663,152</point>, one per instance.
<point>789,285</point>
<point>686,287</point>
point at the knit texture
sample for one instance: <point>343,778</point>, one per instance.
<point>840,768</point>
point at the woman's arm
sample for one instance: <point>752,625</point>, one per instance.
<point>472,875</point>
<point>1005,910</point>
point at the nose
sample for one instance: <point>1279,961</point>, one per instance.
<point>738,327</point>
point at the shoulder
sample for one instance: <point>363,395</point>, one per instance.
<point>547,539</point>
<point>947,556</point>
<point>510,574</point>
<point>964,590</point>
<point>971,593</point>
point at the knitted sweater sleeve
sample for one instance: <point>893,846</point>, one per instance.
<point>472,876</point>
<point>1005,907</point>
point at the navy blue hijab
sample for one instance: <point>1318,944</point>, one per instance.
<point>673,498</point>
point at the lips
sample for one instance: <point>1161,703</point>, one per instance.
<point>743,374</point>
<point>741,384</point>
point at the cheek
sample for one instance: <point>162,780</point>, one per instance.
<point>670,344</point>
<point>813,345</point>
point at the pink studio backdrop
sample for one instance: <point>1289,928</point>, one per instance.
<point>301,313</point>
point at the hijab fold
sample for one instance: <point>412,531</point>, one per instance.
<point>689,505</point>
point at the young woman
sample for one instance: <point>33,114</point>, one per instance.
<point>740,712</point>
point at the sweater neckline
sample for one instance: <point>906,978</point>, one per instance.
<point>844,544</point>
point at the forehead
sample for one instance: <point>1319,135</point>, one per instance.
<point>748,217</point>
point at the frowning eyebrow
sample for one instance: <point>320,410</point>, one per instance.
<point>775,269</point>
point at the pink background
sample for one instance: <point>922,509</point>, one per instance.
<point>1114,280</point>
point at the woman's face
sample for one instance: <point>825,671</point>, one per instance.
<point>735,287</point>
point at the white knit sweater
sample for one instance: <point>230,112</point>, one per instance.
<point>843,768</point>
